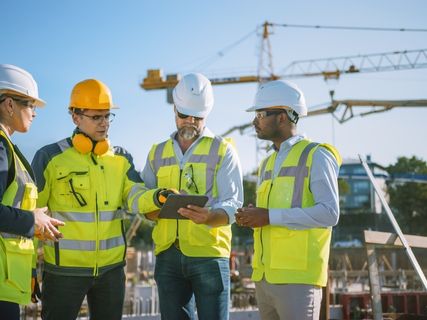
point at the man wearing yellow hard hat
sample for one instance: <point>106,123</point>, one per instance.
<point>88,184</point>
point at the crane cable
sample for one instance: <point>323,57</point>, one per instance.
<point>222,52</point>
<point>346,27</point>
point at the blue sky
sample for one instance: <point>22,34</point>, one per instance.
<point>64,42</point>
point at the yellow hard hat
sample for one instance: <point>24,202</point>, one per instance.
<point>91,94</point>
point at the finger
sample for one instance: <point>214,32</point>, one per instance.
<point>57,222</point>
<point>50,235</point>
<point>55,232</point>
<point>196,208</point>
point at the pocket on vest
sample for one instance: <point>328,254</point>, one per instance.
<point>163,233</point>
<point>289,249</point>
<point>19,256</point>
<point>202,235</point>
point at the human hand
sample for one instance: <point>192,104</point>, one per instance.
<point>252,217</point>
<point>153,215</point>
<point>163,194</point>
<point>199,215</point>
<point>45,226</point>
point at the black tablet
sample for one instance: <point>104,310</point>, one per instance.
<point>176,201</point>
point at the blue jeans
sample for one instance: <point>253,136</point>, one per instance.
<point>181,280</point>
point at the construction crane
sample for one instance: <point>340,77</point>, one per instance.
<point>328,68</point>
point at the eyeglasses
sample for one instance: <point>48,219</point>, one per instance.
<point>188,174</point>
<point>185,116</point>
<point>25,103</point>
<point>265,113</point>
<point>109,117</point>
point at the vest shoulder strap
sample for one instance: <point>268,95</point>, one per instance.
<point>334,151</point>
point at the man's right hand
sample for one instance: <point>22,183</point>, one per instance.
<point>45,226</point>
<point>163,194</point>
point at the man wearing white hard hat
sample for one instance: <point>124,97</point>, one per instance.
<point>20,220</point>
<point>297,205</point>
<point>193,254</point>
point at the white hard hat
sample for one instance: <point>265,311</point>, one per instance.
<point>193,95</point>
<point>17,81</point>
<point>280,93</point>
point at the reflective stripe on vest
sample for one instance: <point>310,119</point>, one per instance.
<point>87,216</point>
<point>88,245</point>
<point>159,161</point>
<point>136,189</point>
<point>63,145</point>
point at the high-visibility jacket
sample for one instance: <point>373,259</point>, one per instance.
<point>16,252</point>
<point>90,194</point>
<point>283,255</point>
<point>198,176</point>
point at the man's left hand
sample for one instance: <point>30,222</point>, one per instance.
<point>252,217</point>
<point>199,215</point>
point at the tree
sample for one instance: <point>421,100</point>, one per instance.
<point>409,200</point>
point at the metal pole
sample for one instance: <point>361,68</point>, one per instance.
<point>396,227</point>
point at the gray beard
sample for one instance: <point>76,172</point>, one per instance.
<point>188,133</point>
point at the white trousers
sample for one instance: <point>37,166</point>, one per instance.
<point>288,301</point>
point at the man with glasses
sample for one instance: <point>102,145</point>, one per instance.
<point>88,184</point>
<point>193,253</point>
<point>297,204</point>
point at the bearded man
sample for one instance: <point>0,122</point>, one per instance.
<point>192,254</point>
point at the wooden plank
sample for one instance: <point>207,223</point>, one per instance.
<point>374,280</point>
<point>324,307</point>
<point>386,238</point>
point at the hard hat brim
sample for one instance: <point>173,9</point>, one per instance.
<point>37,101</point>
<point>255,108</point>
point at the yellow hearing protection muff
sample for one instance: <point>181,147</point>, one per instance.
<point>84,144</point>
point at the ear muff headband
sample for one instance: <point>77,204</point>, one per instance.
<point>84,144</point>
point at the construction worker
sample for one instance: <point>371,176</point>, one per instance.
<point>20,220</point>
<point>87,184</point>
<point>296,206</point>
<point>192,255</point>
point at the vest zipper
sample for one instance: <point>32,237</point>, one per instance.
<point>177,221</point>
<point>262,242</point>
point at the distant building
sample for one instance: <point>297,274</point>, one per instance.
<point>360,196</point>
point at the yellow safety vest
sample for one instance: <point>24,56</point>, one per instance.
<point>88,193</point>
<point>283,255</point>
<point>16,252</point>
<point>197,177</point>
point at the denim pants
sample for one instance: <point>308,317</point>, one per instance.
<point>62,296</point>
<point>184,281</point>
